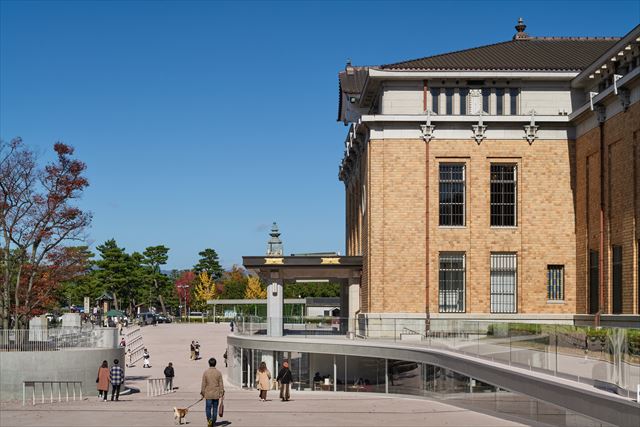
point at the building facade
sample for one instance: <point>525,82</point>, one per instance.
<point>474,186</point>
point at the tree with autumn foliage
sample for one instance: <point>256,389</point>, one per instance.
<point>205,289</point>
<point>38,218</point>
<point>254,289</point>
<point>184,286</point>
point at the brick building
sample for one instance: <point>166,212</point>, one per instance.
<point>473,179</point>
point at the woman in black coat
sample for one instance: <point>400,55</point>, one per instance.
<point>284,378</point>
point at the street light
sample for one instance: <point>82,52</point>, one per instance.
<point>184,296</point>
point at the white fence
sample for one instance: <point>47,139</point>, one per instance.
<point>49,388</point>
<point>44,339</point>
<point>156,387</point>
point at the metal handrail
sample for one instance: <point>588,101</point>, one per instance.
<point>156,387</point>
<point>32,384</point>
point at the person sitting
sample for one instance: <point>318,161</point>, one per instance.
<point>317,377</point>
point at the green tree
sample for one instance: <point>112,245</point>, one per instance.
<point>154,257</point>
<point>210,263</point>
<point>311,289</point>
<point>234,284</point>
<point>116,271</point>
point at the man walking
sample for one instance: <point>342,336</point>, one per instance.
<point>168,377</point>
<point>212,390</point>
<point>284,378</point>
<point>116,375</point>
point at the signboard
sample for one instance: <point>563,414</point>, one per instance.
<point>87,303</point>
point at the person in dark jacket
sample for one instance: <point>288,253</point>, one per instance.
<point>284,378</point>
<point>168,377</point>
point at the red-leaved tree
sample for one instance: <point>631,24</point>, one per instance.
<point>38,218</point>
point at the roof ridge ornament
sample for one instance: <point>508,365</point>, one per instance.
<point>521,35</point>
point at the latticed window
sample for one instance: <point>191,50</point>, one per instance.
<point>451,283</point>
<point>503,283</point>
<point>503,195</point>
<point>555,282</point>
<point>452,198</point>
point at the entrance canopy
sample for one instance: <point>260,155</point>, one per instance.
<point>277,270</point>
<point>305,267</point>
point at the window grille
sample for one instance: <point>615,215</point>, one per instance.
<point>503,283</point>
<point>451,283</point>
<point>452,195</point>
<point>435,97</point>
<point>503,195</point>
<point>555,282</point>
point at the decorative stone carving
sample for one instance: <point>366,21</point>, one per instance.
<point>427,128</point>
<point>479,130</point>
<point>531,130</point>
<point>625,97</point>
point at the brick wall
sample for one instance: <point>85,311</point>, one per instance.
<point>394,226</point>
<point>621,205</point>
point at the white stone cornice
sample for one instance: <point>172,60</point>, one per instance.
<point>413,75</point>
<point>381,118</point>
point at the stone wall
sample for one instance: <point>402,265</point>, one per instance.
<point>80,364</point>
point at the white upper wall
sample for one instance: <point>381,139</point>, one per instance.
<point>545,97</point>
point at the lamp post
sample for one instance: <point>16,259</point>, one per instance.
<point>183,287</point>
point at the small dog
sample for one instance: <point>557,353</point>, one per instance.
<point>179,414</point>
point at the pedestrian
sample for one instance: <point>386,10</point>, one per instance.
<point>168,377</point>
<point>128,358</point>
<point>263,381</point>
<point>103,381</point>
<point>225,358</point>
<point>123,343</point>
<point>146,356</point>
<point>231,325</point>
<point>213,391</point>
<point>197,350</point>
<point>193,350</point>
<point>117,378</point>
<point>284,378</point>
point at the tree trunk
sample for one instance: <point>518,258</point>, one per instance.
<point>155,282</point>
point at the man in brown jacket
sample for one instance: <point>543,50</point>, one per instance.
<point>212,390</point>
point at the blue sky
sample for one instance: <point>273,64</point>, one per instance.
<point>203,122</point>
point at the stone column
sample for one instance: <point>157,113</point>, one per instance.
<point>354,299</point>
<point>275,305</point>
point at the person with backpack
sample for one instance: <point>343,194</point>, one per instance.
<point>284,378</point>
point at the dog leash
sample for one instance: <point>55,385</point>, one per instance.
<point>195,402</point>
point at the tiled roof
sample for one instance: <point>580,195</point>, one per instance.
<point>531,54</point>
<point>352,80</point>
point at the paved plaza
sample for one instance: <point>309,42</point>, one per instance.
<point>170,343</point>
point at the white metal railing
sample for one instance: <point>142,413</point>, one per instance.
<point>156,387</point>
<point>45,339</point>
<point>50,390</point>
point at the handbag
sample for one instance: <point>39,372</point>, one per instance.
<point>221,408</point>
<point>98,379</point>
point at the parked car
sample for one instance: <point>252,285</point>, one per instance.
<point>147,318</point>
<point>163,319</point>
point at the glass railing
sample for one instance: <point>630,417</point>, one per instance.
<point>607,358</point>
